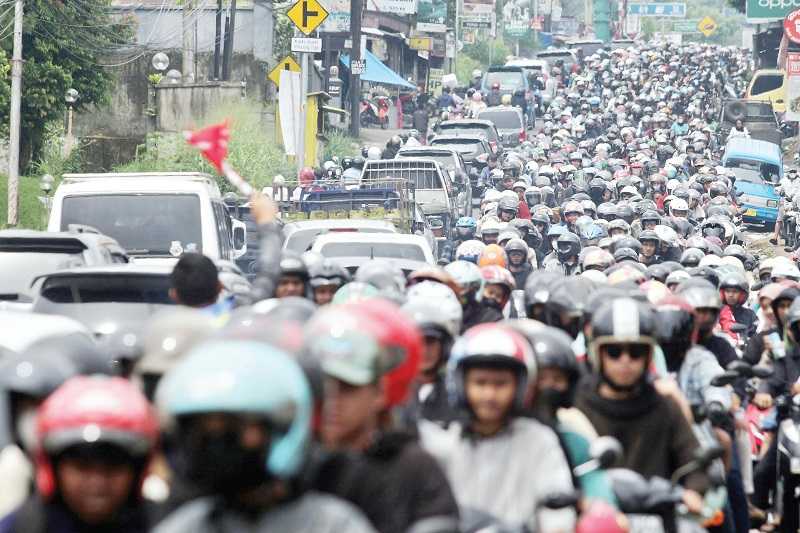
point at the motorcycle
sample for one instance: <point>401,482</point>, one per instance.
<point>375,112</point>
<point>787,490</point>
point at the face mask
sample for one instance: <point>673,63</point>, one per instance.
<point>26,429</point>
<point>219,464</point>
<point>554,399</point>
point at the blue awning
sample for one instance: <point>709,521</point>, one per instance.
<point>376,72</point>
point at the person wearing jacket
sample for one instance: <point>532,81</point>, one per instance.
<point>488,371</point>
<point>620,401</point>
<point>90,484</point>
<point>368,461</point>
<point>241,432</point>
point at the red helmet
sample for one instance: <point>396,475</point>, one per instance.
<point>601,517</point>
<point>497,275</point>
<point>306,177</point>
<point>491,344</point>
<point>395,331</point>
<point>91,410</point>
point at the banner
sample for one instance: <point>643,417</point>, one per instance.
<point>477,14</point>
<point>338,20</point>
<point>517,18</point>
<point>398,7</point>
<point>432,16</point>
<point>766,10</point>
<point>793,86</point>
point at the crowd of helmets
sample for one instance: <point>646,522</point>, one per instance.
<point>374,401</point>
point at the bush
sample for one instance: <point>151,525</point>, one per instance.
<point>340,144</point>
<point>251,151</point>
<point>32,214</point>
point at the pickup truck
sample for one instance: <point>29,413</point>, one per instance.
<point>757,116</point>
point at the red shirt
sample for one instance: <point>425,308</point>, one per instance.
<point>524,212</point>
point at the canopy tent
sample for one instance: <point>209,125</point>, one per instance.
<point>376,72</point>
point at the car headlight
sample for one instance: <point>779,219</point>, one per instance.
<point>772,203</point>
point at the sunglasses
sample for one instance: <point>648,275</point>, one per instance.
<point>635,351</point>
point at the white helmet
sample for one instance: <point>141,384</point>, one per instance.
<point>374,153</point>
<point>678,205</point>
<point>710,260</point>
<point>532,168</point>
<point>434,305</point>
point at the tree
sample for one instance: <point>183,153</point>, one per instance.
<point>739,5</point>
<point>65,43</point>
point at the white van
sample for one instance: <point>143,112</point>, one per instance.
<point>155,216</point>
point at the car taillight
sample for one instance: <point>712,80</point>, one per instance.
<point>522,136</point>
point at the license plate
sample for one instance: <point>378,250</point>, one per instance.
<point>639,523</point>
<point>750,213</point>
<point>794,465</point>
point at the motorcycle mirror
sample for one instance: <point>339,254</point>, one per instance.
<point>741,368</point>
<point>762,372</point>
<point>705,456</point>
<point>560,500</point>
<point>606,451</point>
<point>726,378</point>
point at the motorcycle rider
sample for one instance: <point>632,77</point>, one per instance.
<point>95,438</point>
<point>293,278</point>
<point>369,355</point>
<point>195,283</point>
<point>438,314</point>
<point>706,303</point>
<point>734,291</point>
<point>325,278</point>
<point>244,440</point>
<point>498,283</point>
<point>565,258</point>
<point>487,373</point>
<point>518,264</point>
<point>620,401</point>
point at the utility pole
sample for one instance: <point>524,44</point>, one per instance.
<point>227,56</point>
<point>217,39</point>
<point>16,101</point>
<point>355,79</point>
<point>189,41</point>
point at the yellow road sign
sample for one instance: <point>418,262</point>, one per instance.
<point>420,43</point>
<point>287,63</point>
<point>307,15</point>
<point>707,26</point>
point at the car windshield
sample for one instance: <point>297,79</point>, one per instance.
<point>462,147</point>
<point>389,250</point>
<point>509,80</point>
<point>503,120</point>
<point>144,224</point>
<point>443,158</point>
<point>302,240</point>
<point>767,172</point>
<point>20,268</point>
<point>748,175</point>
<point>463,129</point>
<point>106,289</point>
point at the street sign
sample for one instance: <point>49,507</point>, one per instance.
<point>420,43</point>
<point>791,26</point>
<point>307,45</point>
<point>287,63</point>
<point>307,15</point>
<point>686,26</point>
<point>652,9</point>
<point>707,26</point>
<point>358,67</point>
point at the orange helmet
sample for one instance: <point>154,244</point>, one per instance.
<point>493,254</point>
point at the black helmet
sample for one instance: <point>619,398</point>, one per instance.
<point>649,235</point>
<point>625,212</point>
<point>699,293</point>
<point>674,328</point>
<point>553,349</point>
<point>717,189</point>
<point>691,257</point>
<point>537,290</point>
<point>650,216</point>
<point>627,242</point>
<point>626,254</point>
<point>737,251</point>
<point>567,245</point>
<point>516,245</point>
<point>622,321</point>
<point>705,272</point>
<point>327,272</point>
<point>658,272</point>
<point>507,203</point>
<point>790,294</point>
<point>607,211</point>
<point>566,305</point>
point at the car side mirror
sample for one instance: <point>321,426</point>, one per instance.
<point>239,238</point>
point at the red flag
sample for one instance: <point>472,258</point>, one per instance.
<point>212,142</point>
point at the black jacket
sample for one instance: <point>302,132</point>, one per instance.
<point>479,314</point>
<point>721,348</point>
<point>37,516</point>
<point>786,371</point>
<point>434,407</point>
<point>395,483</point>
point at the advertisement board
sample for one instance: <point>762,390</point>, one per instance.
<point>792,86</point>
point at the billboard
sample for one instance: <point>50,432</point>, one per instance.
<point>792,86</point>
<point>517,17</point>
<point>477,14</point>
<point>766,10</point>
<point>432,16</point>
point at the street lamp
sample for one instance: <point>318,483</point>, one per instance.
<point>174,76</point>
<point>160,61</point>
<point>46,186</point>
<point>70,98</point>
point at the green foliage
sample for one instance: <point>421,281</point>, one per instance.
<point>284,30</point>
<point>739,5</point>
<point>51,157</point>
<point>488,52</point>
<point>62,43</point>
<point>341,145</point>
<point>464,67</point>
<point>251,151</point>
<point>32,213</point>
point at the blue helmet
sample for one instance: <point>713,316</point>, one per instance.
<point>245,377</point>
<point>466,222</point>
<point>465,228</point>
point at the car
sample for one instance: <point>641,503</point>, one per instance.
<point>155,216</point>
<point>758,117</point>
<point>770,85</point>
<point>424,181</point>
<point>758,166</point>
<point>409,252</point>
<point>26,254</point>
<point>472,127</point>
<point>21,328</point>
<point>509,122</point>
<point>531,66</point>
<point>106,299</point>
<point>474,149</point>
<point>449,158</point>
<point>299,235</point>
<point>587,46</point>
<point>513,81</point>
<point>552,55</point>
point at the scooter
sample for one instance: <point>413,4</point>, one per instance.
<point>787,490</point>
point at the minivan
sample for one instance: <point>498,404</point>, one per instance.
<point>155,216</point>
<point>758,167</point>
<point>769,84</point>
